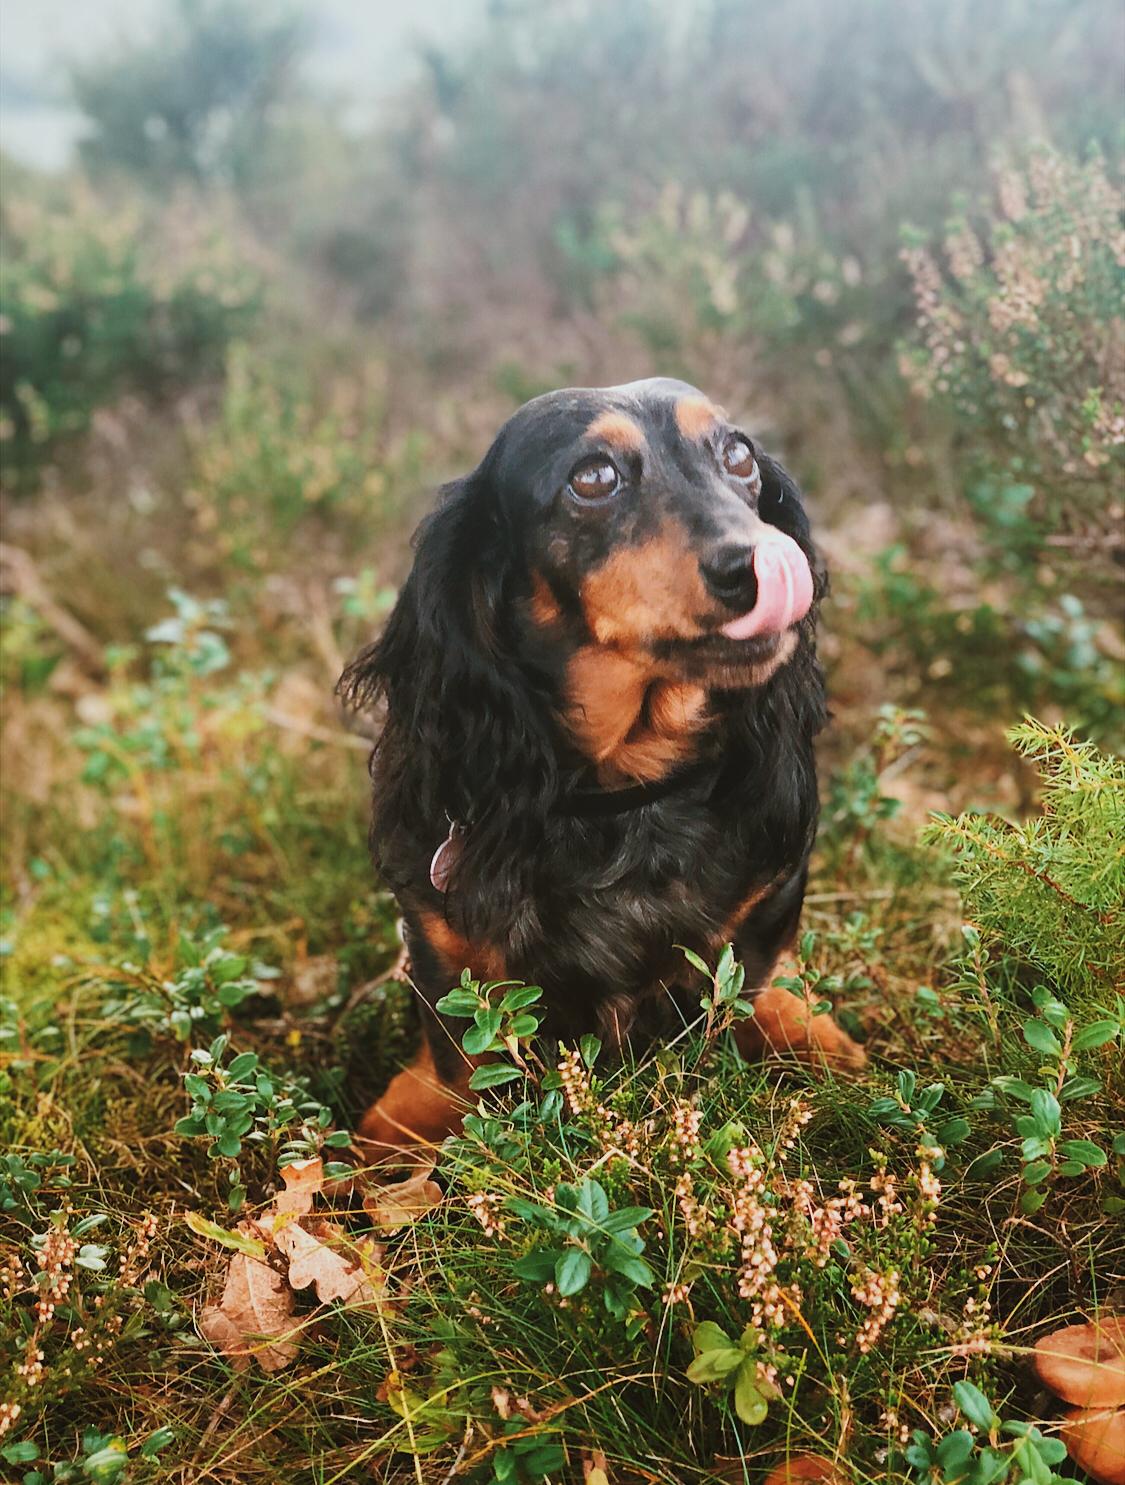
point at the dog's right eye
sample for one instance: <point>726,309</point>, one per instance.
<point>596,478</point>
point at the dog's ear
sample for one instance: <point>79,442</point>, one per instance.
<point>467,734</point>
<point>782,505</point>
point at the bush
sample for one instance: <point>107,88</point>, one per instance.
<point>1021,334</point>
<point>87,312</point>
<point>192,99</point>
<point>1047,895</point>
<point>278,454</point>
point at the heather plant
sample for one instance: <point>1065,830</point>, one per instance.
<point>1020,325</point>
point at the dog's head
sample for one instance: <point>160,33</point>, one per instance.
<point>643,521</point>
<point>621,557</point>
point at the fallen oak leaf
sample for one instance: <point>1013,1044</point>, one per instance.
<point>322,1257</point>
<point>390,1208</point>
<point>253,1317</point>
<point>304,1181</point>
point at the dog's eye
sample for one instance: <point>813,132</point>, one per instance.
<point>738,457</point>
<point>595,478</point>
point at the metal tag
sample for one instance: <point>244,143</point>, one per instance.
<point>445,858</point>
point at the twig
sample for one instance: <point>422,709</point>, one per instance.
<point>21,576</point>
<point>315,731</point>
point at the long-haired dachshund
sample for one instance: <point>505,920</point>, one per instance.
<point>601,697</point>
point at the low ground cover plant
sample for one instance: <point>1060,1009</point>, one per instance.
<point>670,1270</point>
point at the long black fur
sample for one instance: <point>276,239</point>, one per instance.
<point>591,908</point>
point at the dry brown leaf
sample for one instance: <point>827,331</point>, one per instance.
<point>304,1180</point>
<point>1085,1364</point>
<point>254,1317</point>
<point>1095,1440</point>
<point>392,1207</point>
<point>323,1257</point>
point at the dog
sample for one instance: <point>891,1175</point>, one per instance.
<point>601,693</point>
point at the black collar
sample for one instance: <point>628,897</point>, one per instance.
<point>600,803</point>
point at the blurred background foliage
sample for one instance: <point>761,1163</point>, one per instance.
<point>248,329</point>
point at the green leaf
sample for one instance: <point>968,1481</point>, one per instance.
<point>712,1366</point>
<point>25,1452</point>
<point>537,1267</point>
<point>624,1219</point>
<point>636,1270</point>
<point>953,1131</point>
<point>572,1271</point>
<point>1032,1200</point>
<point>707,1336</point>
<point>478,1038</point>
<point>694,960</point>
<point>1041,1038</point>
<point>1080,1087</point>
<point>954,1450</point>
<point>157,1441</point>
<point>588,1049</point>
<point>531,1211</point>
<point>459,1003</point>
<point>1035,1171</point>
<point>244,1063</point>
<point>1085,1151</point>
<point>519,997</point>
<point>1046,1111</point>
<point>1095,1035</point>
<point>239,1241</point>
<point>523,1026</point>
<point>593,1203</point>
<point>975,1406</point>
<point>749,1403</point>
<point>1015,1086</point>
<point>493,1075</point>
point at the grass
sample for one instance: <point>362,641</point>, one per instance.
<point>206,828</point>
<point>185,872</point>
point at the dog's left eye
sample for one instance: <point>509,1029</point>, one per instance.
<point>595,478</point>
<point>738,457</point>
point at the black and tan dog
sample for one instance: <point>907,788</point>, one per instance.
<point>601,697</point>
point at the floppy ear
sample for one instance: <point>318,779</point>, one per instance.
<point>781,504</point>
<point>468,733</point>
<point>780,719</point>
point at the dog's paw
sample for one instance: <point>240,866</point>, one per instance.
<point>782,1024</point>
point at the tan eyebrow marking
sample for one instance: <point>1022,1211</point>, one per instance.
<point>695,416</point>
<point>619,431</point>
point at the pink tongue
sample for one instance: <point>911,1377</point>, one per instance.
<point>785,589</point>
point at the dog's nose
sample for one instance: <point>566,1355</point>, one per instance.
<point>729,573</point>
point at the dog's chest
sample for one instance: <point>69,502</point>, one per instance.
<point>613,909</point>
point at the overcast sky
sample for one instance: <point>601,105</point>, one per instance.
<point>358,47</point>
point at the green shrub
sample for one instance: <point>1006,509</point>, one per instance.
<point>1048,894</point>
<point>1020,327</point>
<point>90,309</point>
<point>277,454</point>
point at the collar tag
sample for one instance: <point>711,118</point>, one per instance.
<point>446,856</point>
